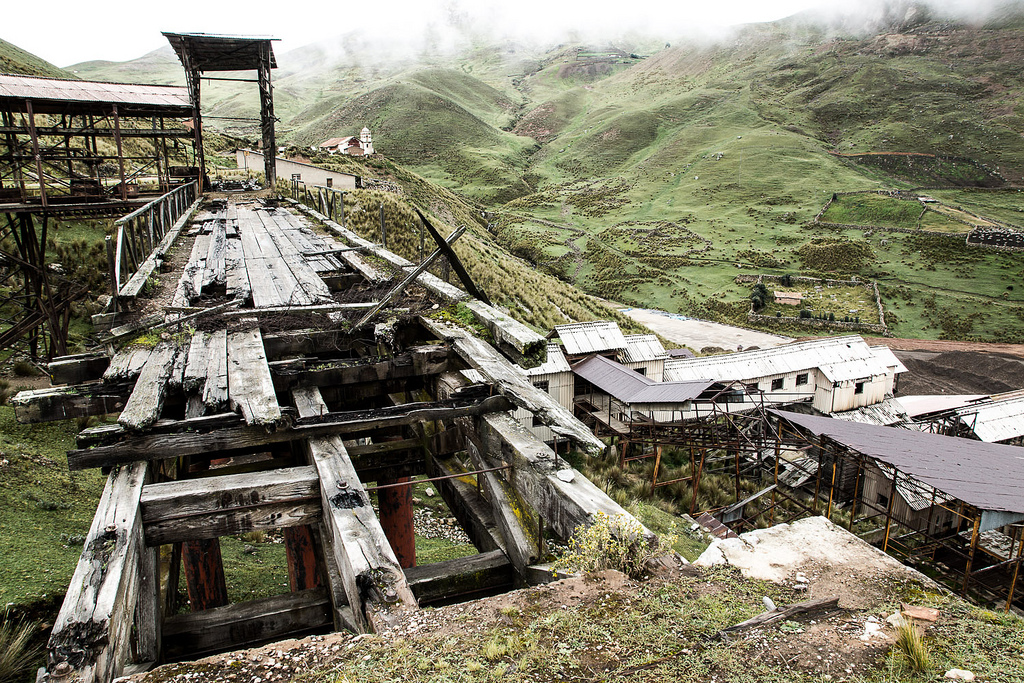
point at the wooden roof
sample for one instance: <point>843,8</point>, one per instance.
<point>58,96</point>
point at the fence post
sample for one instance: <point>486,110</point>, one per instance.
<point>383,229</point>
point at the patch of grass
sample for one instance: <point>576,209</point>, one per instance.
<point>18,653</point>
<point>873,209</point>
<point>910,642</point>
<point>43,507</point>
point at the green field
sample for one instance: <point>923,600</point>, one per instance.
<point>840,301</point>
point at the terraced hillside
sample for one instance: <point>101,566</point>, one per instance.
<point>655,175</point>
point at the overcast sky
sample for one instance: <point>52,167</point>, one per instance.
<point>65,32</point>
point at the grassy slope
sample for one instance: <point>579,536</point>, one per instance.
<point>14,60</point>
<point>731,141</point>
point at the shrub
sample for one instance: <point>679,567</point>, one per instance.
<point>612,543</point>
<point>804,313</point>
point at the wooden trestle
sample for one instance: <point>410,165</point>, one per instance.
<point>246,423</point>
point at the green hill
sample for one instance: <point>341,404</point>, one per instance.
<point>655,176</point>
<point>14,60</point>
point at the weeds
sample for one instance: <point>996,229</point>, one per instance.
<point>612,543</point>
<point>17,653</point>
<point>911,643</point>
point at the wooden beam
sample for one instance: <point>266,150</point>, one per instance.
<point>65,403</point>
<point>246,624</point>
<point>419,361</point>
<point>562,505</point>
<point>467,505</point>
<point>158,446</point>
<point>90,638</point>
<point>83,367</point>
<point>372,578</point>
<point>229,504</point>
<point>147,399</point>
<point>510,381</point>
<point>460,579</point>
<point>250,386</point>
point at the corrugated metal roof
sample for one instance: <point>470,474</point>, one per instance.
<point>631,387</point>
<point>641,348</point>
<point>926,404</point>
<point>888,413</point>
<point>591,337</point>
<point>996,420</point>
<point>985,475</point>
<point>838,358</point>
<point>211,52</point>
<point>919,496</point>
<point>58,90</point>
<point>555,363</point>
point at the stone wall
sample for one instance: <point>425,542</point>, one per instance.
<point>878,328</point>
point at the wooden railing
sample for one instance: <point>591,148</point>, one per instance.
<point>142,236</point>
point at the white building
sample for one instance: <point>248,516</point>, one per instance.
<point>351,145</point>
<point>833,375</point>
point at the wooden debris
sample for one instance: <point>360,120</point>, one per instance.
<point>462,578</point>
<point>780,613</point>
<point>215,391</point>
<point>127,363</point>
<point>147,400</point>
<point>66,403</point>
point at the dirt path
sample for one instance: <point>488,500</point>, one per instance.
<point>941,346</point>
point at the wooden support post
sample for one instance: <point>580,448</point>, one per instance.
<point>35,152</point>
<point>371,576</point>
<point>383,229</point>
<point>120,153</point>
<point>267,115</point>
<point>974,548</point>
<point>91,636</point>
<point>1016,570</point>
<point>204,573</point>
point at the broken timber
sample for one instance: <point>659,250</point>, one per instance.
<point>315,417</point>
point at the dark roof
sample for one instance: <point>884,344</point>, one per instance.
<point>630,386</point>
<point>985,475</point>
<point>58,96</point>
<point>220,53</point>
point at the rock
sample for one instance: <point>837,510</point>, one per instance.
<point>896,619</point>
<point>769,605</point>
<point>919,613</point>
<point>429,492</point>
<point>565,475</point>
<point>960,675</point>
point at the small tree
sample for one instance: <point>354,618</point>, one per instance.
<point>804,313</point>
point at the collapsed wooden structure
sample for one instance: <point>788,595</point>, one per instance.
<point>257,403</point>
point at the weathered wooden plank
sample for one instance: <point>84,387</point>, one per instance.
<point>417,362</point>
<point>127,363</point>
<point>276,223</point>
<point>171,445</point>
<point>268,271</point>
<point>190,497</point>
<point>135,284</point>
<point>511,382</point>
<point>563,505</point>
<point>79,368</point>
<point>372,578</point>
<point>66,403</point>
<point>467,505</point>
<point>372,273</point>
<point>516,523</point>
<point>214,266</point>
<point>463,578</point>
<point>197,361</point>
<point>147,399</point>
<point>230,522</point>
<point>250,386</point>
<point>246,624</point>
<point>236,276</point>
<point>90,637</point>
<point>215,390</point>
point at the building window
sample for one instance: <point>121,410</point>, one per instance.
<point>883,499</point>
<point>801,378</point>
<point>542,384</point>
<point>859,388</point>
<point>642,371</point>
<point>537,422</point>
<point>777,384</point>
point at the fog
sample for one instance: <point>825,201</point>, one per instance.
<point>66,35</point>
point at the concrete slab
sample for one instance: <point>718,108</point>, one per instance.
<point>697,334</point>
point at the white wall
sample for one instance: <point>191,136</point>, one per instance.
<point>252,161</point>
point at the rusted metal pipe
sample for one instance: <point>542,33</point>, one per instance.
<point>395,504</point>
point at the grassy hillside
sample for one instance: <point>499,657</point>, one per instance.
<point>14,60</point>
<point>656,180</point>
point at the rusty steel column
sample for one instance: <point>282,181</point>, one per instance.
<point>301,551</point>
<point>395,505</point>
